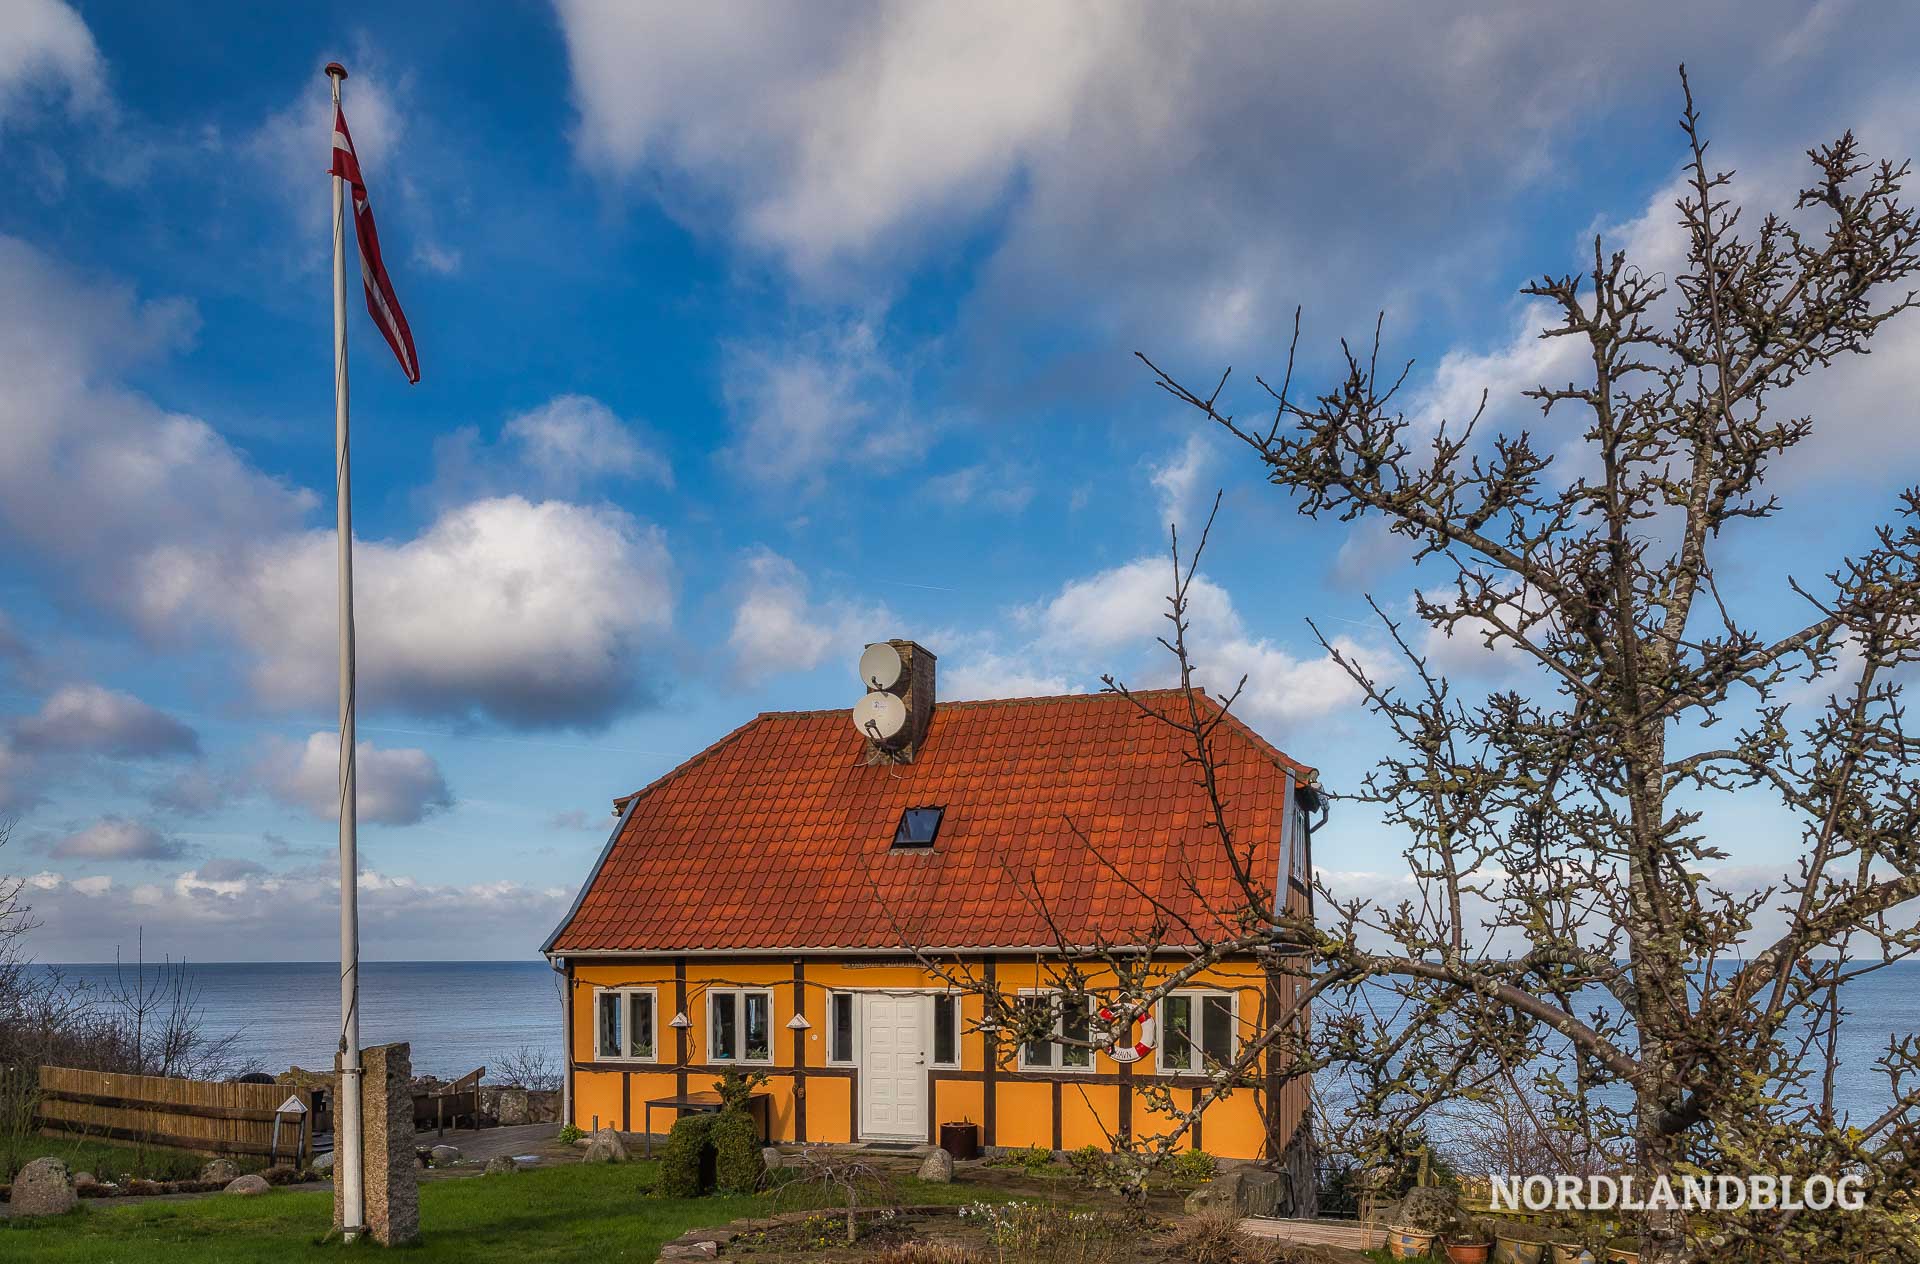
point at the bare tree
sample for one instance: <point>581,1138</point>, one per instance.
<point>1563,928</point>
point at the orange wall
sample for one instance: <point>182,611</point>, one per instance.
<point>1024,1112</point>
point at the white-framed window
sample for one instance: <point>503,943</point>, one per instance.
<point>946,1030</point>
<point>1071,1021</point>
<point>1198,1030</point>
<point>623,1024</point>
<point>842,1013</point>
<point>740,1025</point>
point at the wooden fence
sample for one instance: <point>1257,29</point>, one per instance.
<point>210,1118</point>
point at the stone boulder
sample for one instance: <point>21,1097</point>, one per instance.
<point>605,1146</point>
<point>83,1179</point>
<point>323,1163</point>
<point>445,1155</point>
<point>221,1170</point>
<point>937,1167</point>
<point>1249,1191</point>
<point>43,1187</point>
<point>772,1159</point>
<point>249,1185</point>
<point>501,1165</point>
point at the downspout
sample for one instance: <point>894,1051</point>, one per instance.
<point>565,971</point>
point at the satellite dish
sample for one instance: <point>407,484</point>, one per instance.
<point>880,666</point>
<point>880,716</point>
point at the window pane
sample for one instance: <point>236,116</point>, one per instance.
<point>640,1024</point>
<point>841,1049</point>
<point>609,1024</point>
<point>1176,1042</point>
<point>1216,1035</point>
<point>946,1023</point>
<point>1038,1052</point>
<point>723,1036</point>
<point>1075,1025</point>
<point>759,1023</point>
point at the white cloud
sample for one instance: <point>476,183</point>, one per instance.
<point>90,719</point>
<point>1108,621</point>
<point>574,438</point>
<point>435,258</point>
<point>805,409</point>
<point>46,48</point>
<point>777,628</point>
<point>1178,479</point>
<point>200,913</point>
<point>1099,150</point>
<point>116,838</point>
<point>1003,488</point>
<point>986,674</point>
<point>396,787</point>
<point>93,477</point>
<point>531,614</point>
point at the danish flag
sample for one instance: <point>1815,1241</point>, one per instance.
<point>381,303</point>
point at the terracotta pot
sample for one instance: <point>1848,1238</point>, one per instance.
<point>1468,1252</point>
<point>1518,1250</point>
<point>1572,1253</point>
<point>1408,1244</point>
<point>1620,1255</point>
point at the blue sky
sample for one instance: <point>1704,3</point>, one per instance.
<point>750,334</point>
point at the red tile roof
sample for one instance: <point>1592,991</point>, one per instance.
<point>779,836</point>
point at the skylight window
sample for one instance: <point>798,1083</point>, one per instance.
<point>918,827</point>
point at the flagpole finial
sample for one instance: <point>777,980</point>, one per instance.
<point>335,69</point>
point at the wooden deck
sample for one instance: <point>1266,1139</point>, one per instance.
<point>1353,1234</point>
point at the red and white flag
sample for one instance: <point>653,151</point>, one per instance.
<point>381,303</point>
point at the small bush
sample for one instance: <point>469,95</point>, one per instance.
<point>1193,1167</point>
<point>1088,1164</point>
<point>570,1134</point>
<point>1215,1237</point>
<point>1034,1159</point>
<point>737,1165</point>
<point>688,1163</point>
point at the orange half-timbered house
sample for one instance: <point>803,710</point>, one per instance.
<point>772,903</point>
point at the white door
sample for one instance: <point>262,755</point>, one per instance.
<point>893,1067</point>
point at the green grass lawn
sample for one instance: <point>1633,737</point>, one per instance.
<point>576,1212</point>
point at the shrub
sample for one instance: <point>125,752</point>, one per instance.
<point>688,1163</point>
<point>1034,1159</point>
<point>1214,1236</point>
<point>737,1165</point>
<point>1088,1164</point>
<point>569,1134</point>
<point>1193,1167</point>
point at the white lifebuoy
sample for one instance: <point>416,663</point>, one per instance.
<point>1139,1048</point>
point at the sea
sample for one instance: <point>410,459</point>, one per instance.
<point>459,1015</point>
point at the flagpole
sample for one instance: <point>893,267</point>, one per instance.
<point>347,1109</point>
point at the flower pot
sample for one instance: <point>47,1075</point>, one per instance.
<point>1508,1250</point>
<point>1572,1253</point>
<point>962,1141</point>
<point>1622,1255</point>
<point>1468,1252</point>
<point>1408,1244</point>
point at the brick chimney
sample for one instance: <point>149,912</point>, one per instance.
<point>905,674</point>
